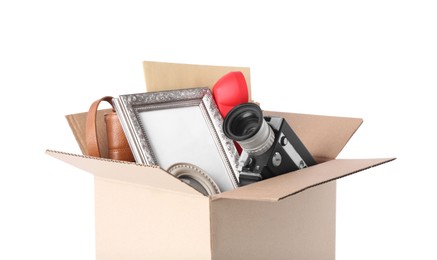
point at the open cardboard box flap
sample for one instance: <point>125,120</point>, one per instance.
<point>324,137</point>
<point>273,189</point>
<point>283,186</point>
<point>143,175</point>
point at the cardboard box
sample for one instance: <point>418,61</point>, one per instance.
<point>143,212</point>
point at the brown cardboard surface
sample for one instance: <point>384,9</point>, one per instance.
<point>299,227</point>
<point>323,136</point>
<point>286,185</point>
<point>137,174</point>
<point>161,76</point>
<point>135,222</point>
<point>77,124</point>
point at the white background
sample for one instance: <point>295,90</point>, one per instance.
<point>374,59</point>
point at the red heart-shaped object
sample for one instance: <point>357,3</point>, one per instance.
<point>229,91</point>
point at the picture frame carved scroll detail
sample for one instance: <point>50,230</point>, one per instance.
<point>168,127</point>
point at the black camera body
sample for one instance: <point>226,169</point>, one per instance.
<point>270,146</point>
<point>287,154</point>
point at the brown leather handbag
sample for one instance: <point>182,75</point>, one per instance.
<point>118,146</point>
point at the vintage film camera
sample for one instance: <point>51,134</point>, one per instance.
<point>270,146</point>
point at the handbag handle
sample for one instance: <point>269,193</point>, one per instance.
<point>92,143</point>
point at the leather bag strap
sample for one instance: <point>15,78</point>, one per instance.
<point>92,143</point>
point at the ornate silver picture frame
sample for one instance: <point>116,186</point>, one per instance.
<point>179,126</point>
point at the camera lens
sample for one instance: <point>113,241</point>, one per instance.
<point>246,125</point>
<point>243,121</point>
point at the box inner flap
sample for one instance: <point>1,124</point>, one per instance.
<point>161,76</point>
<point>126,172</point>
<point>323,136</point>
<point>277,188</point>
